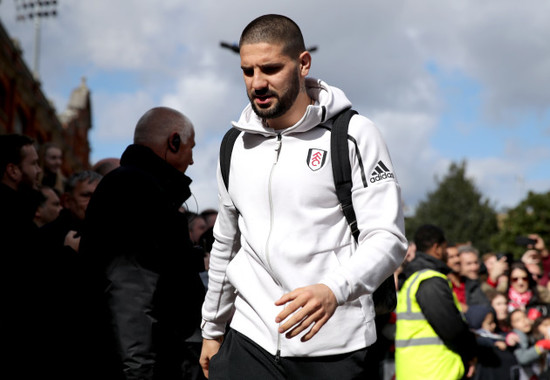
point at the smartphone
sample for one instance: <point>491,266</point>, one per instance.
<point>524,241</point>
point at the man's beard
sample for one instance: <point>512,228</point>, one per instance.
<point>282,102</point>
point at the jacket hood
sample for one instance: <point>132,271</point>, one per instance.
<point>476,314</point>
<point>329,101</point>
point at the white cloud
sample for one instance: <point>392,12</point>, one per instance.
<point>119,114</point>
<point>141,54</point>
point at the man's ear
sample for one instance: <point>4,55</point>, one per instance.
<point>38,213</point>
<point>174,142</point>
<point>305,63</point>
<point>434,250</point>
<point>13,172</point>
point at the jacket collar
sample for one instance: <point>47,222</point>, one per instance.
<point>329,101</point>
<point>424,261</point>
<point>173,182</point>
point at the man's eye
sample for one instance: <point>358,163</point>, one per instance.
<point>248,72</point>
<point>270,70</point>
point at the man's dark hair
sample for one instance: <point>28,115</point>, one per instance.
<point>208,212</point>
<point>11,150</point>
<point>275,29</point>
<point>428,235</point>
<point>42,198</point>
<point>76,178</point>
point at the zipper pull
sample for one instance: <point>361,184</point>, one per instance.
<point>277,148</point>
<point>278,356</point>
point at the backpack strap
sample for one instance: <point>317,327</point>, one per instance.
<point>226,149</point>
<point>385,296</point>
<point>341,168</point>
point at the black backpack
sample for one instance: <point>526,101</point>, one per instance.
<point>385,297</point>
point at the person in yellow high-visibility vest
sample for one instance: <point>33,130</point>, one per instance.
<point>433,340</point>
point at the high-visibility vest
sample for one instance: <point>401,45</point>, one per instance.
<point>419,352</point>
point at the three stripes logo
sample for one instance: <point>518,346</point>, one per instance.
<point>380,172</point>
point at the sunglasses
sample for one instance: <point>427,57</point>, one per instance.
<point>516,279</point>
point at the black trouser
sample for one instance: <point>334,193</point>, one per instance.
<point>240,358</point>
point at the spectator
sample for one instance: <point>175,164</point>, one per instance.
<point>52,160</point>
<point>67,284</point>
<point>62,233</point>
<point>105,165</point>
<point>483,321</point>
<point>533,262</point>
<point>541,331</point>
<point>145,272</point>
<point>529,351</point>
<point>205,242</point>
<point>469,262</point>
<point>49,206</point>
<point>19,171</point>
<point>23,307</point>
<point>400,272</point>
<point>543,255</point>
<point>197,226</point>
<point>497,271</point>
<point>499,303</point>
<point>467,290</point>
<point>522,292</point>
<point>427,311</point>
<point>210,216</point>
<point>495,360</point>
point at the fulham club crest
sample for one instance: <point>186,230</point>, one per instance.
<point>316,158</point>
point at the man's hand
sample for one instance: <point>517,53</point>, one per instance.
<point>539,245</point>
<point>310,305</point>
<point>471,368</point>
<point>210,347</point>
<point>498,269</point>
<point>72,239</point>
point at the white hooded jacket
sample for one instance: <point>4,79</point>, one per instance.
<point>280,227</point>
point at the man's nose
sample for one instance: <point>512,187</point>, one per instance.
<point>259,83</point>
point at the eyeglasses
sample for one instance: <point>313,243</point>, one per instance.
<point>516,279</point>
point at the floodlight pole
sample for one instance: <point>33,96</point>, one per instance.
<point>35,9</point>
<point>36,46</point>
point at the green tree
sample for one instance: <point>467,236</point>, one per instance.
<point>531,216</point>
<point>459,209</point>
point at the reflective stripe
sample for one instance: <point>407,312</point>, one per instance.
<point>411,316</point>
<point>418,342</point>
<point>417,274</point>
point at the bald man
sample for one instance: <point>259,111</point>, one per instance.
<point>145,270</point>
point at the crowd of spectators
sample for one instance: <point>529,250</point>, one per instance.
<point>505,302</point>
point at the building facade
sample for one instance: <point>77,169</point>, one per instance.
<point>25,109</point>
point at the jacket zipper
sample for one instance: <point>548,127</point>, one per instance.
<point>275,160</point>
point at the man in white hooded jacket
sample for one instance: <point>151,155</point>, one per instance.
<point>285,270</point>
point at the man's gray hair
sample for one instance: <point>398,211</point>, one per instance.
<point>86,175</point>
<point>468,249</point>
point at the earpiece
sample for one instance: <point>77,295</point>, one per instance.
<point>174,145</point>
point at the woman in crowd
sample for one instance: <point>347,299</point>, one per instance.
<point>522,288</point>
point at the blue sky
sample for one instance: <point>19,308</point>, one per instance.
<point>444,81</point>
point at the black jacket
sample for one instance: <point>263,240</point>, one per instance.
<point>474,293</point>
<point>22,320</point>
<point>144,269</point>
<point>435,298</point>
